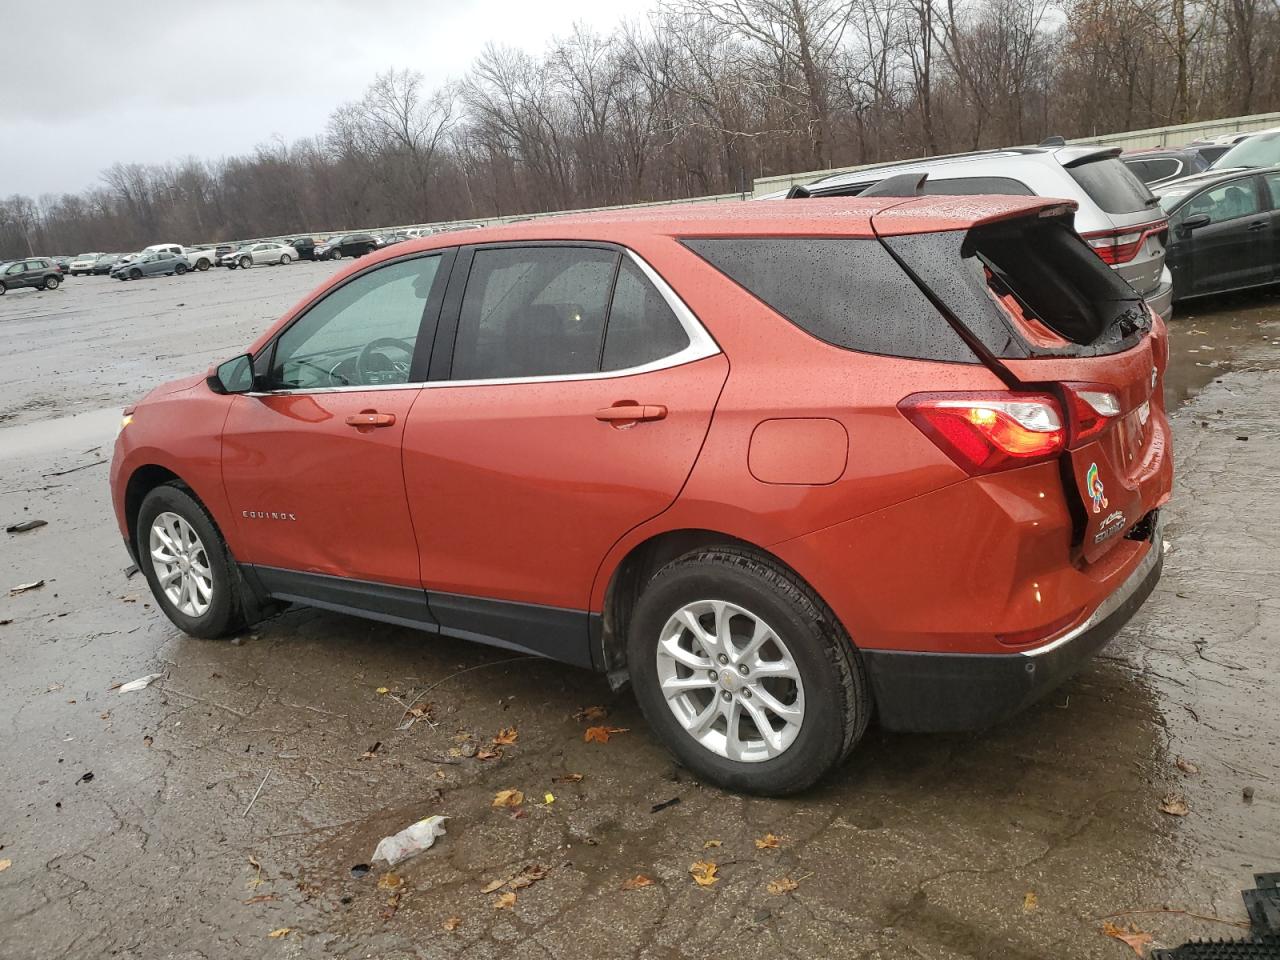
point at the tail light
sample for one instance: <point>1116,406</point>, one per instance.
<point>986,432</point>
<point>1121,246</point>
<point>1092,407</point>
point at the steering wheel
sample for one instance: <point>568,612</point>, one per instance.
<point>373,366</point>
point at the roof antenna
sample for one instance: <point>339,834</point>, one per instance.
<point>901,185</point>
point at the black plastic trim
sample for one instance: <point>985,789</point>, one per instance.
<point>556,633</point>
<point>947,692</point>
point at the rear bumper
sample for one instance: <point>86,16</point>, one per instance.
<point>1161,300</point>
<point>937,692</point>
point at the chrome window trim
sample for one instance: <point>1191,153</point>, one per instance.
<point>701,345</point>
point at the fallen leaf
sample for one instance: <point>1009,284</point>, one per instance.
<point>280,932</point>
<point>601,734</point>
<point>453,923</point>
<point>568,778</point>
<point>703,873</point>
<point>1029,902</point>
<point>493,886</point>
<point>768,842</point>
<point>1186,766</point>
<point>389,911</point>
<point>591,714</point>
<point>1174,805</point>
<point>508,798</point>
<point>5,864</point>
<point>382,691</point>
<point>711,844</point>
<point>260,898</point>
<point>389,881</point>
<point>483,754</point>
<point>781,885</point>
<point>636,882</point>
<point>506,736</point>
<point>505,901</point>
<point>1132,936</point>
<point>527,877</point>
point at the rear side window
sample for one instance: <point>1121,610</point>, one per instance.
<point>967,186</point>
<point>533,312</point>
<point>848,292</point>
<point>1112,185</point>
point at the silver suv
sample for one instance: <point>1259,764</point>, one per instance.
<point>1116,214</point>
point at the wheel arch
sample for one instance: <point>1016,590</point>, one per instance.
<point>628,578</point>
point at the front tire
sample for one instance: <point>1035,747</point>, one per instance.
<point>202,264</point>
<point>180,269</point>
<point>244,263</point>
<point>187,564</point>
<point>744,672</point>
<point>135,274</point>
<point>335,254</point>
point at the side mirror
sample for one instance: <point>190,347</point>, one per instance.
<point>1196,221</point>
<point>234,376</point>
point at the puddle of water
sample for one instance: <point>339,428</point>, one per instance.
<point>1216,335</point>
<point>82,431</point>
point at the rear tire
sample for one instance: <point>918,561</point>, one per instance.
<point>285,260</point>
<point>195,557</point>
<point>2,289</point>
<point>51,283</point>
<point>806,667</point>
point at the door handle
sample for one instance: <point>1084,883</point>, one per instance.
<point>371,418</point>
<point>631,413</point>
<point>1257,225</point>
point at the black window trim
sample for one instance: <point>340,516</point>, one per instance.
<point>701,343</point>
<point>264,359</point>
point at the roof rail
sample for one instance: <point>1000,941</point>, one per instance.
<point>1054,141</point>
<point>902,185</point>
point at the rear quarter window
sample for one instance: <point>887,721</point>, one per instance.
<point>847,292</point>
<point>1112,185</point>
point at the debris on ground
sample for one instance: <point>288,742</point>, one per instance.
<point>1174,805</point>
<point>279,932</point>
<point>768,842</point>
<point>704,873</point>
<point>410,841</point>
<point>636,882</point>
<point>506,736</point>
<point>25,525</point>
<point>1186,766</point>
<point>508,798</point>
<point>505,901</point>
<point>452,924</point>
<point>1131,935</point>
<point>140,684</point>
<point>1247,793</point>
<point>389,881</point>
<point>567,778</point>
<point>371,752</point>
<point>360,870</point>
<point>591,714</point>
<point>601,734</point>
<point>24,587</point>
<point>1030,902</point>
<point>781,885</point>
<point>86,777</point>
<point>659,807</point>
<point>5,864</point>
<point>525,877</point>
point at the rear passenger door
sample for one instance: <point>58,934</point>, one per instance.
<point>570,393</point>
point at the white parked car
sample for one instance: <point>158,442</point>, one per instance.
<point>255,254</point>
<point>83,264</point>
<point>198,258</point>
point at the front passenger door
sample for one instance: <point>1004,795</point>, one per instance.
<point>1235,248</point>
<point>312,461</point>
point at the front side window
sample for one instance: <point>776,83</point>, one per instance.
<point>1226,202</point>
<point>362,334</point>
<point>533,312</point>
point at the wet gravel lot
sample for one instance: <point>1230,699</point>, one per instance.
<point>230,800</point>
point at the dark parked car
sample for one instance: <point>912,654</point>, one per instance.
<point>63,264</point>
<point>39,272</point>
<point>105,263</point>
<point>1224,230</point>
<point>306,247</point>
<point>347,245</point>
<point>1158,165</point>
<point>157,263</point>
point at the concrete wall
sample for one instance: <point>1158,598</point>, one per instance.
<point>1133,140</point>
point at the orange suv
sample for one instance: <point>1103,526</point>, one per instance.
<point>781,466</point>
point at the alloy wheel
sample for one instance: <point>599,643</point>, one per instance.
<point>181,564</point>
<point>730,681</point>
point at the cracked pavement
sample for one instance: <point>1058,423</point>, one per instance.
<point>921,846</point>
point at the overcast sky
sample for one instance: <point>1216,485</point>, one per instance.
<point>102,82</point>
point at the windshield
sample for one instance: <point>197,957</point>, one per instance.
<point>1260,151</point>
